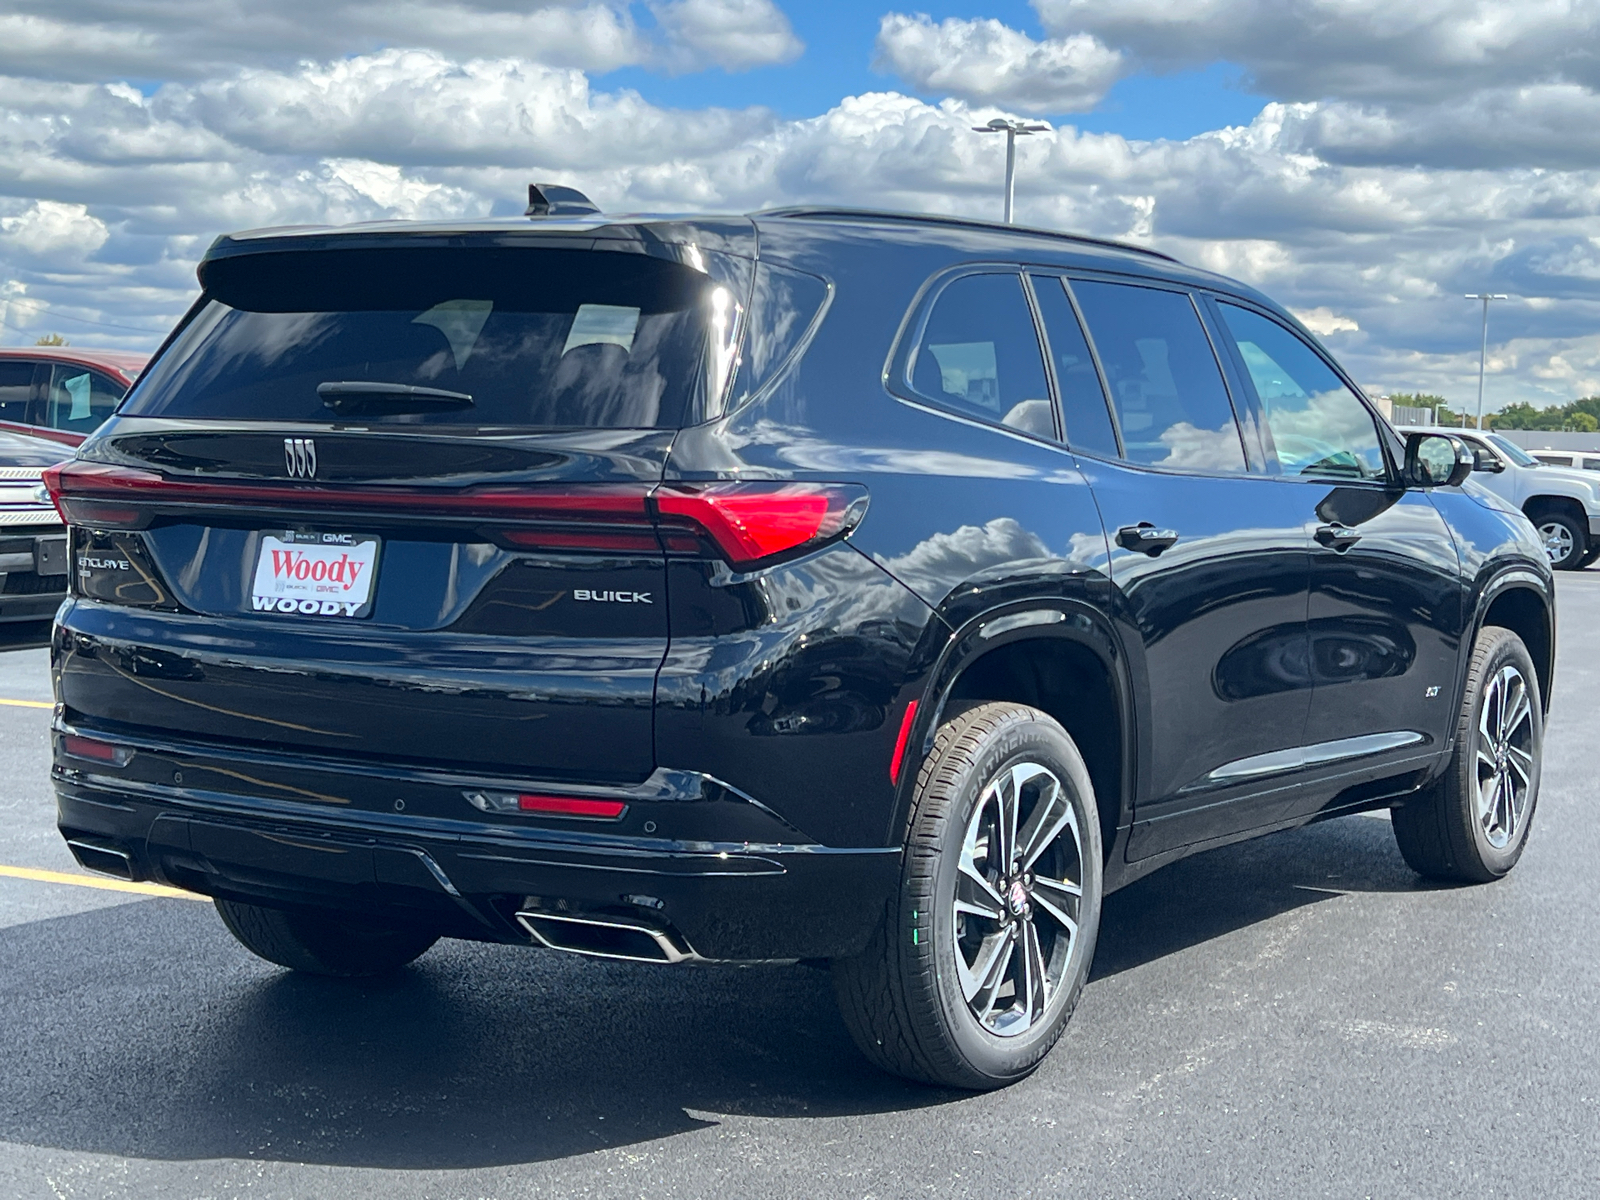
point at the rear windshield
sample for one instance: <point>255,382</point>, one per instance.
<point>465,336</point>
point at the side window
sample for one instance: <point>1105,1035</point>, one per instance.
<point>783,304</point>
<point>1165,382</point>
<point>1083,401</point>
<point>16,387</point>
<point>1318,425</point>
<point>79,399</point>
<point>980,355</point>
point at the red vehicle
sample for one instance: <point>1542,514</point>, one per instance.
<point>62,392</point>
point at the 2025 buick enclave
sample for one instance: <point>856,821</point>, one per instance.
<point>806,585</point>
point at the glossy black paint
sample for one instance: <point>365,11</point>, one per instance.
<point>325,762</point>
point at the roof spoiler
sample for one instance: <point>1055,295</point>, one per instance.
<point>554,200</point>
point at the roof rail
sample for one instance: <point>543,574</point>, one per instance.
<point>874,214</point>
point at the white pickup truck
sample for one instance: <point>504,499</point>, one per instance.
<point>1562,503</point>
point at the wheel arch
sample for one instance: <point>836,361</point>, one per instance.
<point>1061,658</point>
<point>1519,601</point>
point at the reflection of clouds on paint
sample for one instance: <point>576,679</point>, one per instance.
<point>1195,449</point>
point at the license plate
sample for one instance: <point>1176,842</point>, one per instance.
<point>315,574</point>
<point>50,555</point>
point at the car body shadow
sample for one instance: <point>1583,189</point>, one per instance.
<point>24,635</point>
<point>143,1031</point>
<point>1214,893</point>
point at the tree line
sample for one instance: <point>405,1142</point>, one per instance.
<point>1582,416</point>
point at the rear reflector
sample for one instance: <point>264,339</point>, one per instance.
<point>900,742</point>
<point>94,750</point>
<point>752,522</point>
<point>550,806</point>
<point>571,806</point>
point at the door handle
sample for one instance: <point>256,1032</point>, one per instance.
<point>1146,538</point>
<point>1337,537</point>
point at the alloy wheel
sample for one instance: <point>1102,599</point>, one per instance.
<point>1557,539</point>
<point>1018,899</point>
<point>1504,762</point>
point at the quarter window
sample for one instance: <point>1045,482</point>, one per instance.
<point>1165,383</point>
<point>980,355</point>
<point>1317,424</point>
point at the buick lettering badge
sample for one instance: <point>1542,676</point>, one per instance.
<point>300,456</point>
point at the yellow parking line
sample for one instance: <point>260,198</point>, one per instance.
<point>95,881</point>
<point>26,703</point>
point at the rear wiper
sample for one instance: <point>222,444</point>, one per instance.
<point>352,396</point>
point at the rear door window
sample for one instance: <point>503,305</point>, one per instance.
<point>78,399</point>
<point>469,336</point>
<point>1317,424</point>
<point>16,389</point>
<point>1083,401</point>
<point>1166,386</point>
<point>979,355</point>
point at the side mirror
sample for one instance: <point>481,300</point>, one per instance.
<point>1484,461</point>
<point>1437,460</point>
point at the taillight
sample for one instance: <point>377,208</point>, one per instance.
<point>750,523</point>
<point>554,515</point>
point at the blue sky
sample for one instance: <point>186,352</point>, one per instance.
<point>837,61</point>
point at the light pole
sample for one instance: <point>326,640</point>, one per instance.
<point>1483,355</point>
<point>1013,130</point>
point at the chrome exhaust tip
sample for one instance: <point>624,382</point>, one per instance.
<point>605,937</point>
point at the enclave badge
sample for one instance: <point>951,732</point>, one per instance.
<point>300,456</point>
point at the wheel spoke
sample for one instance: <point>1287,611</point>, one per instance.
<point>1007,791</point>
<point>994,976</point>
<point>1520,761</point>
<point>1519,710</point>
<point>1054,897</point>
<point>1037,993</point>
<point>1050,816</point>
<point>974,894</point>
<point>1489,718</point>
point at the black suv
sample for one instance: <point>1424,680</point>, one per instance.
<point>808,585</point>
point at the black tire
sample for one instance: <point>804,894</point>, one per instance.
<point>1589,555</point>
<point>1444,833</point>
<point>903,999</point>
<point>323,942</point>
<point>1563,527</point>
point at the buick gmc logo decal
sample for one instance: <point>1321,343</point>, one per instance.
<point>300,456</point>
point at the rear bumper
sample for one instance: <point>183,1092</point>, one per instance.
<point>33,571</point>
<point>227,822</point>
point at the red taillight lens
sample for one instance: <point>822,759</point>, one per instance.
<point>571,806</point>
<point>752,522</point>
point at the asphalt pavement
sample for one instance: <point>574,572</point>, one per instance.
<point>1294,1016</point>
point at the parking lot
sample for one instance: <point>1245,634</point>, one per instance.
<point>1295,1016</point>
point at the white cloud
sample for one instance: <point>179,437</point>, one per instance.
<point>92,40</point>
<point>732,34</point>
<point>985,61</point>
<point>1324,322</point>
<point>1372,50</point>
<point>48,233</point>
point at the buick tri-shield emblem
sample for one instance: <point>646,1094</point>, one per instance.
<point>300,456</point>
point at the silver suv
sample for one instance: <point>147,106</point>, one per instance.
<point>1562,503</point>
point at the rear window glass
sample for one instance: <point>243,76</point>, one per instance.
<point>469,336</point>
